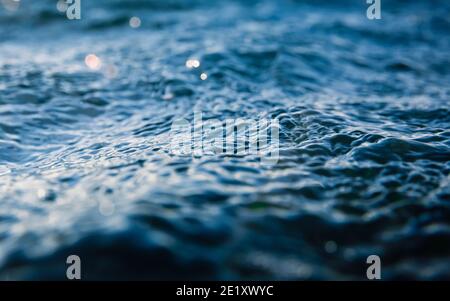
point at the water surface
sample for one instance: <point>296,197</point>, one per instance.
<point>85,163</point>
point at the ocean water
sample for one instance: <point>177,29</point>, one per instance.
<point>85,161</point>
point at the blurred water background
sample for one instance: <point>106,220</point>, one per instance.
<point>364,139</point>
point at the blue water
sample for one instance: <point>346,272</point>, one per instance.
<point>85,162</point>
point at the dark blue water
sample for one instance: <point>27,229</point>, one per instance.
<point>85,163</point>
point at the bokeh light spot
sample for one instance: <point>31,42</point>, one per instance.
<point>135,22</point>
<point>93,62</point>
